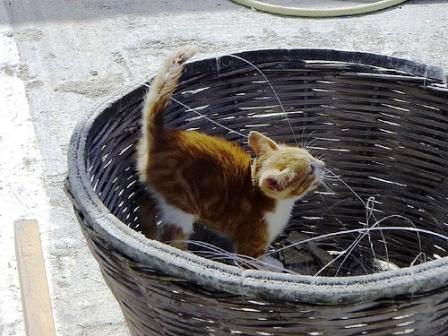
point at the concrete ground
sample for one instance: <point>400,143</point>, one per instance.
<point>61,58</point>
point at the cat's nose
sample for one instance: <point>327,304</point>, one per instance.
<point>317,168</point>
<point>317,164</point>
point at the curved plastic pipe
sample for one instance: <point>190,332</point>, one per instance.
<point>315,12</point>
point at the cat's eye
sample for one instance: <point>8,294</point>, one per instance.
<point>313,169</point>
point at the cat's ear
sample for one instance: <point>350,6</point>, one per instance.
<point>274,182</point>
<point>278,182</point>
<point>260,143</point>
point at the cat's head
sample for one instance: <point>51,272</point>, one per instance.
<point>282,171</point>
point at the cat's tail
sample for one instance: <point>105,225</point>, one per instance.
<point>161,90</point>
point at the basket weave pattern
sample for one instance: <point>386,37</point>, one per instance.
<point>381,124</point>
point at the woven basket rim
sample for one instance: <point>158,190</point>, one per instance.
<point>252,283</point>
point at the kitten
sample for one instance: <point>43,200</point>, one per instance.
<point>197,177</point>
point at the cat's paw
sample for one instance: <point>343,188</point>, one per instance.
<point>271,264</point>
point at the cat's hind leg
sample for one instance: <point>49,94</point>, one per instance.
<point>176,226</point>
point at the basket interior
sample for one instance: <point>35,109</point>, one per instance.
<point>382,133</point>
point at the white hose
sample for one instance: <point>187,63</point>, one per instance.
<point>316,12</point>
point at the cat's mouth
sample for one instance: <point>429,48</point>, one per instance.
<point>317,171</point>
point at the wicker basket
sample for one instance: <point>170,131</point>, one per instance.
<point>382,124</point>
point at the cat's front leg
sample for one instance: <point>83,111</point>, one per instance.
<point>256,245</point>
<point>252,241</point>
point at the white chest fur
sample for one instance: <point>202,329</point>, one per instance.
<point>278,218</point>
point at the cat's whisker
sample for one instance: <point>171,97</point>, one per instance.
<point>369,213</point>
<point>200,244</point>
<point>207,118</point>
<point>361,236</point>
<point>309,140</point>
<point>302,137</point>
<point>273,90</point>
<point>331,262</point>
<point>421,254</point>
<point>329,179</point>
<point>321,156</point>
<point>329,174</point>
<point>328,188</point>
<point>267,265</point>
<point>360,230</point>
<point>331,206</point>
<point>217,256</point>
<point>239,262</point>
<point>215,251</point>
<point>368,206</point>
<point>348,251</point>
<point>309,146</point>
<point>220,254</point>
<point>348,187</point>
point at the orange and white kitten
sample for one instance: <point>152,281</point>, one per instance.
<point>197,177</point>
